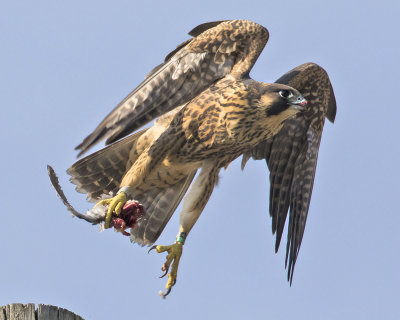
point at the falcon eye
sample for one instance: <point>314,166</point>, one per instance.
<point>285,94</point>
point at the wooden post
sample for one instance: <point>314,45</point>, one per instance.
<point>19,311</point>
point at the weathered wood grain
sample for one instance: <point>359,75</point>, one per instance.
<point>19,311</point>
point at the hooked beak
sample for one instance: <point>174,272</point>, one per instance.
<point>300,103</point>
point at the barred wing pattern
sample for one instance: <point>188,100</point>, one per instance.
<point>160,204</point>
<point>100,173</point>
<point>216,50</point>
<point>292,156</point>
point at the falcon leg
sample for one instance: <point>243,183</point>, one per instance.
<point>141,168</point>
<point>174,255</point>
<point>193,205</point>
<point>115,204</point>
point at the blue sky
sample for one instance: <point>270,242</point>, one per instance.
<point>65,65</point>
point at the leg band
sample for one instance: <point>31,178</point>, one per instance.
<point>181,237</point>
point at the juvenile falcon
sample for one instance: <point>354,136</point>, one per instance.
<point>209,113</point>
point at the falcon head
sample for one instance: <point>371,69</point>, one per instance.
<point>276,103</point>
<point>279,98</point>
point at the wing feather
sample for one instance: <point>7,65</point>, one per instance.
<point>160,204</point>
<point>203,27</point>
<point>292,156</point>
<point>101,172</point>
<point>216,50</point>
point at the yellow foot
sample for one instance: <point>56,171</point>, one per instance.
<point>174,255</point>
<point>115,204</point>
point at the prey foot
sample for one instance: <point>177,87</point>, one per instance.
<point>174,255</point>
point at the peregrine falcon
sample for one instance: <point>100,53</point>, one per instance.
<point>208,112</point>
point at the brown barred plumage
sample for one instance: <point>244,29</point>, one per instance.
<point>210,112</point>
<point>226,47</point>
<point>292,156</point>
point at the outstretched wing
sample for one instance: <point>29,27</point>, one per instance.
<point>292,156</point>
<point>216,50</point>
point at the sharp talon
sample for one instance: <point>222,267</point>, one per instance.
<point>164,294</point>
<point>153,247</point>
<point>167,293</point>
<point>165,268</point>
<point>172,261</point>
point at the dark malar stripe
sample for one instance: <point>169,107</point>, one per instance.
<point>276,109</point>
